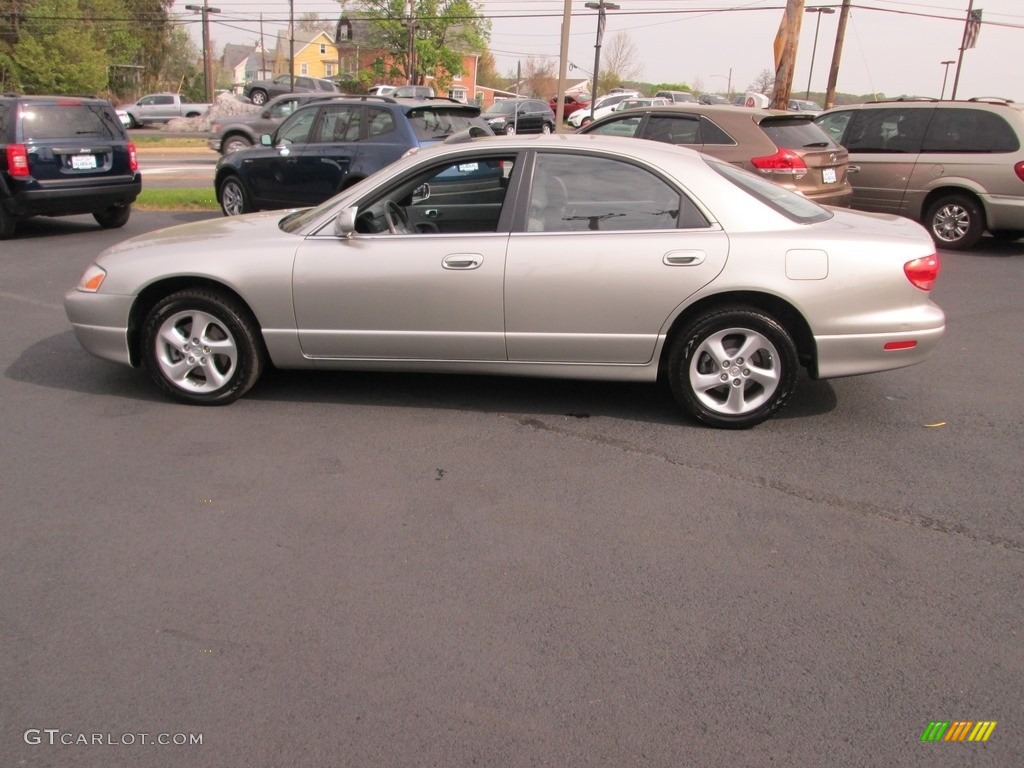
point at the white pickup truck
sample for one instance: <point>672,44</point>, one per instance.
<point>161,108</point>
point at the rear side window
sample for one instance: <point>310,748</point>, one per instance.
<point>712,134</point>
<point>791,133</point>
<point>43,122</point>
<point>433,124</point>
<point>969,130</point>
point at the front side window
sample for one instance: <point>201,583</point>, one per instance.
<point>834,124</point>
<point>887,130</point>
<point>339,124</point>
<point>453,197</point>
<point>624,126</point>
<point>573,193</point>
<point>295,130</point>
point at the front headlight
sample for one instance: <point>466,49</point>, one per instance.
<point>92,279</point>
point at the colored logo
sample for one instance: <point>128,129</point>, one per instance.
<point>958,730</point>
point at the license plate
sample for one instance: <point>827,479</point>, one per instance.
<point>84,162</point>
<point>828,175</point>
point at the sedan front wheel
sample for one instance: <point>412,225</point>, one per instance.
<point>201,347</point>
<point>732,368</point>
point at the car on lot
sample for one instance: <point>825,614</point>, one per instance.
<point>330,144</point>
<point>803,105</point>
<point>585,257</point>
<point>570,104</point>
<point>510,116</point>
<point>677,97</point>
<point>600,108</point>
<point>235,132</point>
<point>786,147</point>
<point>955,166</point>
<point>259,92</point>
<point>64,155</point>
<point>161,108</point>
<point>714,98</point>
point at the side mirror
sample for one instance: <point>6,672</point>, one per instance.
<point>345,224</point>
<point>266,140</point>
<point>421,193</point>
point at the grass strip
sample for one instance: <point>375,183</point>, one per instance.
<point>177,199</point>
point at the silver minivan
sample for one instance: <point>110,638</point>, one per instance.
<point>955,166</point>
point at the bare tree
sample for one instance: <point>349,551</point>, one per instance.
<point>540,79</point>
<point>763,83</point>
<point>621,59</point>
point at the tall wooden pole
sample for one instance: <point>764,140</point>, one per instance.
<point>786,43</point>
<point>837,55</point>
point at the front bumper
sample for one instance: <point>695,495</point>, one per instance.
<point>100,323</point>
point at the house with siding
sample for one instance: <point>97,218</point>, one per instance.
<point>316,55</point>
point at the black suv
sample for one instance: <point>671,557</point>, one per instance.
<point>328,145</point>
<point>261,91</point>
<point>62,156</point>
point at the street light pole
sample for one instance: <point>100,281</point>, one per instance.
<point>600,6</point>
<point>206,10</point>
<point>814,49</point>
<point>944,77</point>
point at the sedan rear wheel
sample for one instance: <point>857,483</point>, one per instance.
<point>732,368</point>
<point>955,222</point>
<point>234,200</point>
<point>202,348</point>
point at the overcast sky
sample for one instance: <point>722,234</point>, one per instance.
<point>892,47</point>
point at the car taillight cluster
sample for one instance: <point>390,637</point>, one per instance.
<point>922,272</point>
<point>133,158</point>
<point>783,161</point>
<point>1019,170</point>
<point>17,160</point>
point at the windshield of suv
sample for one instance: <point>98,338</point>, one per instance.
<point>42,122</point>
<point>436,123</point>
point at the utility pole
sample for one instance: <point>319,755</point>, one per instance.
<point>785,53</point>
<point>600,7</point>
<point>837,54</point>
<point>963,47</point>
<point>206,10</point>
<point>291,46</point>
<point>945,76</point>
<point>563,61</point>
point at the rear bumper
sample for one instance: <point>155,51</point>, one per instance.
<point>68,200</point>
<point>853,354</point>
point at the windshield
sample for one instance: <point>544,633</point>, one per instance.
<point>434,123</point>
<point>506,107</point>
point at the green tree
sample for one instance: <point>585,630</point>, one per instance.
<point>181,70</point>
<point>444,30</point>
<point>54,54</point>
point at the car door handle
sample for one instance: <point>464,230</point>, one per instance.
<point>431,213</point>
<point>462,261</point>
<point>853,169</point>
<point>684,258</point>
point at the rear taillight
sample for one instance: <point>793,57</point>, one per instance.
<point>1019,170</point>
<point>17,160</point>
<point>783,161</point>
<point>133,158</point>
<point>922,272</point>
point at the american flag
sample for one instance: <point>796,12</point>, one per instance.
<point>972,29</point>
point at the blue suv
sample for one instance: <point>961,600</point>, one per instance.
<point>326,146</point>
<point>64,155</point>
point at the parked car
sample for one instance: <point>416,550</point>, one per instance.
<point>259,92</point>
<point>601,107</point>
<point>381,90</point>
<point>62,156</point>
<point>661,263</point>
<point>158,108</point>
<point>713,98</point>
<point>329,145</point>
<point>677,97</point>
<point>413,92</point>
<point>570,104</point>
<point>240,131</point>
<point>785,147</point>
<point>511,116</point>
<point>955,166</point>
<point>802,105</point>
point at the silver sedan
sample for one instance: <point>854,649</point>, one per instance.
<point>560,256</point>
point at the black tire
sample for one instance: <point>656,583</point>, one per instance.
<point>230,355</point>
<point>6,224</point>
<point>547,128</point>
<point>114,217</point>
<point>955,222</point>
<point>234,143</point>
<point>586,121</point>
<point>233,197</point>
<point>510,130</point>
<point>755,385</point>
<point>259,98</point>
<point>132,122</point>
